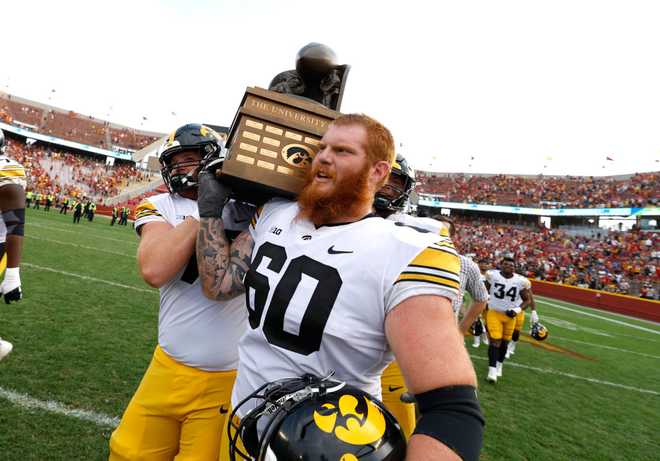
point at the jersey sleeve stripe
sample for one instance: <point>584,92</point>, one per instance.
<point>444,259</point>
<point>427,279</point>
<point>432,269</point>
<point>255,217</point>
<point>146,209</point>
<point>18,172</point>
<point>449,281</point>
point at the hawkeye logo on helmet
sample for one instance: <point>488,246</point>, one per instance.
<point>359,429</point>
<point>298,155</point>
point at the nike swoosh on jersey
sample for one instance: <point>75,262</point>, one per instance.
<point>394,388</point>
<point>332,251</point>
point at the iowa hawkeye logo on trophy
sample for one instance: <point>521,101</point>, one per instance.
<point>276,132</point>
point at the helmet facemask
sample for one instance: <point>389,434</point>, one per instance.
<point>392,197</point>
<point>177,181</point>
<point>191,137</point>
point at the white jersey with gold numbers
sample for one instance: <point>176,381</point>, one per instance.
<point>505,292</point>
<point>318,297</point>
<point>192,329</point>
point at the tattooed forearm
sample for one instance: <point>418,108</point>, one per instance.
<point>212,255</point>
<point>222,267</point>
<point>239,263</point>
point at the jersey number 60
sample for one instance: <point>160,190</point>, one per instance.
<point>318,309</point>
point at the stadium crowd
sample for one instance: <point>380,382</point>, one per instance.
<point>617,262</point>
<point>53,171</point>
<point>639,190</point>
<point>70,125</point>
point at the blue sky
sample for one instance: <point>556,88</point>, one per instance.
<point>520,86</point>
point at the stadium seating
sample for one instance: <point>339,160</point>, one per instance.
<point>64,173</point>
<point>638,190</point>
<point>619,262</point>
<point>70,125</point>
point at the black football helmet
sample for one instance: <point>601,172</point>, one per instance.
<point>539,332</point>
<point>191,136</point>
<point>315,419</point>
<point>391,197</point>
<point>3,144</point>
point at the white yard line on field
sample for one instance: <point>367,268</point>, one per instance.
<point>25,401</point>
<point>600,317</point>
<point>85,277</point>
<point>56,229</point>
<point>602,346</point>
<point>59,242</point>
<point>572,376</point>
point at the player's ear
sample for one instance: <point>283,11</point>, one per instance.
<point>380,171</point>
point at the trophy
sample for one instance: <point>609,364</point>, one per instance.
<point>275,133</point>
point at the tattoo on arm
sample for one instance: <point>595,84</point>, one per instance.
<point>240,256</point>
<point>222,266</point>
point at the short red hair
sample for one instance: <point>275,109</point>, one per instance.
<point>380,143</point>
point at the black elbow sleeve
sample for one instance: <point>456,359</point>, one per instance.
<point>452,415</point>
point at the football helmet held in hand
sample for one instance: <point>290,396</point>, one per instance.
<point>539,332</point>
<point>315,419</point>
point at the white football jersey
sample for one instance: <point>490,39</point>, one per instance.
<point>318,297</point>
<point>505,292</point>
<point>193,329</point>
<point>428,224</point>
<point>11,172</point>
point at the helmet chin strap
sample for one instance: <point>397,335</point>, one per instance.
<point>185,182</point>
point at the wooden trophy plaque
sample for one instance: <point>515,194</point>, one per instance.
<point>271,144</point>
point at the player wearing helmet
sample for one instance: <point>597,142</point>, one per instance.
<point>175,413</point>
<point>331,287</point>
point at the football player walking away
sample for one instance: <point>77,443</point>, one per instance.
<point>179,408</point>
<point>509,295</point>
<point>332,287</point>
<point>520,321</point>
<point>12,226</point>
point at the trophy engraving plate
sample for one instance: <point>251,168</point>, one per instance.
<point>272,142</point>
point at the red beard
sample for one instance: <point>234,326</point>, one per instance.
<point>346,198</point>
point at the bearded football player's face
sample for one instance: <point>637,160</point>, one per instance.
<point>339,182</point>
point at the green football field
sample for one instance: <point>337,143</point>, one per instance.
<point>86,329</point>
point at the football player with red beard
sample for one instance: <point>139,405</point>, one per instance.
<point>333,288</point>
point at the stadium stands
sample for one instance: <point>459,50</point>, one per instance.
<point>64,173</point>
<point>638,190</point>
<point>618,262</point>
<point>70,125</point>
